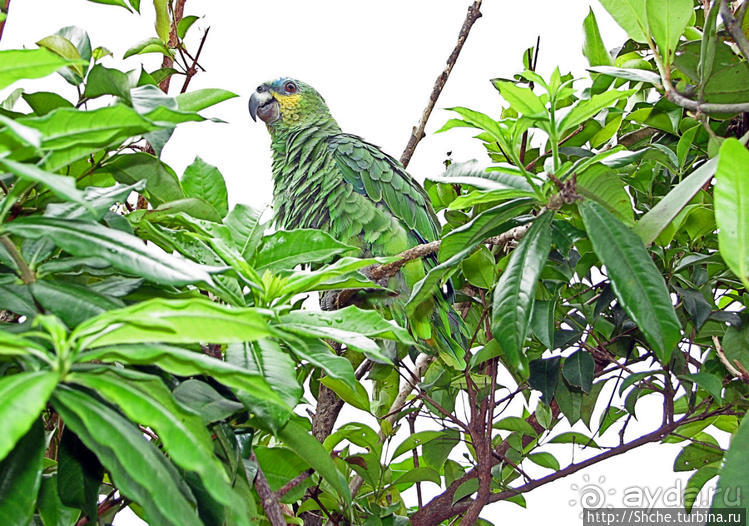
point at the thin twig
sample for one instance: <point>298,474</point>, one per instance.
<point>4,13</point>
<point>732,368</point>
<point>293,483</point>
<point>192,70</point>
<point>268,499</point>
<point>417,134</point>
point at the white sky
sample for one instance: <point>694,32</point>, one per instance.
<point>375,63</point>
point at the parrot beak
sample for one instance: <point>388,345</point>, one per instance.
<point>264,105</point>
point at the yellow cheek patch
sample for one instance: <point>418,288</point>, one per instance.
<point>289,106</point>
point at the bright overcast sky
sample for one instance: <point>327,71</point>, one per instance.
<point>375,63</point>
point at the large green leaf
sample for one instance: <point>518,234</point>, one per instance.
<point>667,20</point>
<point>521,99</point>
<point>24,396</point>
<point>515,290</point>
<point>732,207</point>
<point>70,302</point>
<point>285,249</point>
<point>79,474</point>
<point>245,228</point>
<point>631,16</point>
<point>21,476</point>
<point>182,362</point>
<point>138,469</point>
<point>660,216</point>
<point>123,251</point>
<point>17,64</point>
<point>194,320</point>
<point>298,439</point>
<point>593,47</point>
<point>206,182</point>
<point>145,399</point>
<point>636,281</point>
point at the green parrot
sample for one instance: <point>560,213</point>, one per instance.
<point>337,182</point>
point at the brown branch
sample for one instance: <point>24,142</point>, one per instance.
<point>736,369</point>
<point>733,26</point>
<point>268,499</point>
<point>168,62</point>
<point>4,12</point>
<point>574,132</point>
<point>293,483</point>
<point>417,134</point>
<point>192,70</point>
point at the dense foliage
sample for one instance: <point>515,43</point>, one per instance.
<point>153,355</point>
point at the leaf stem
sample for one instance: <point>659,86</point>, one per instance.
<point>27,275</point>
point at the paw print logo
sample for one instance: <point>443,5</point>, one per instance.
<point>591,494</point>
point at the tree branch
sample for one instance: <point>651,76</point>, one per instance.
<point>417,134</point>
<point>268,499</point>
<point>733,26</point>
<point>168,62</point>
<point>27,275</point>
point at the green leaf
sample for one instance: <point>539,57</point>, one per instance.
<point>205,400</point>
<point>415,440</point>
<point>515,423</point>
<point>515,290</point>
<point>593,48</point>
<point>266,359</point>
<point>245,228</point>
<point>162,184</point>
<point>298,439</point>
<point>52,511</point>
<point>107,81</point>
<point>203,98</point>
<point>420,474</point>
<point>544,376</point>
<point>145,399</point>
<point>546,460</point>
<point>695,484</point>
<point>61,185</point>
<point>632,74</point>
<point>320,355</point>
<point>573,437</point>
<point>667,20</point>
<point>24,396</point>
<point>182,362</point>
<point>17,64</point>
<point>195,320</point>
<point>606,187</point>
<point>120,3</point>
<point>636,281</point>
<point>631,16</point>
<point>60,45</point>
<point>696,455</point>
<point>184,25</point>
<point>21,476</point>
<point>663,213</point>
<point>523,100</point>
<point>479,268</point>
<point>709,382</point>
<point>163,22</point>
<point>72,303</point>
<point>733,485</point>
<point>578,369</point>
<point>355,396</point>
<point>138,469</point>
<point>43,102</point>
<point>151,45</point>
<point>285,249</point>
<point>123,251</point>
<point>732,207</point>
<point>488,223</point>
<point>79,474</point>
<point>206,182</point>
<point>585,109</point>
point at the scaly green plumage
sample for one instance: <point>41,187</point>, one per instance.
<point>337,182</point>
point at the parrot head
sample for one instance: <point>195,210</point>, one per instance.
<point>287,103</point>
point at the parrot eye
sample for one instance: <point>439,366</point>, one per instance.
<point>290,87</point>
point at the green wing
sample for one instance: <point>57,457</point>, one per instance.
<point>383,179</point>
